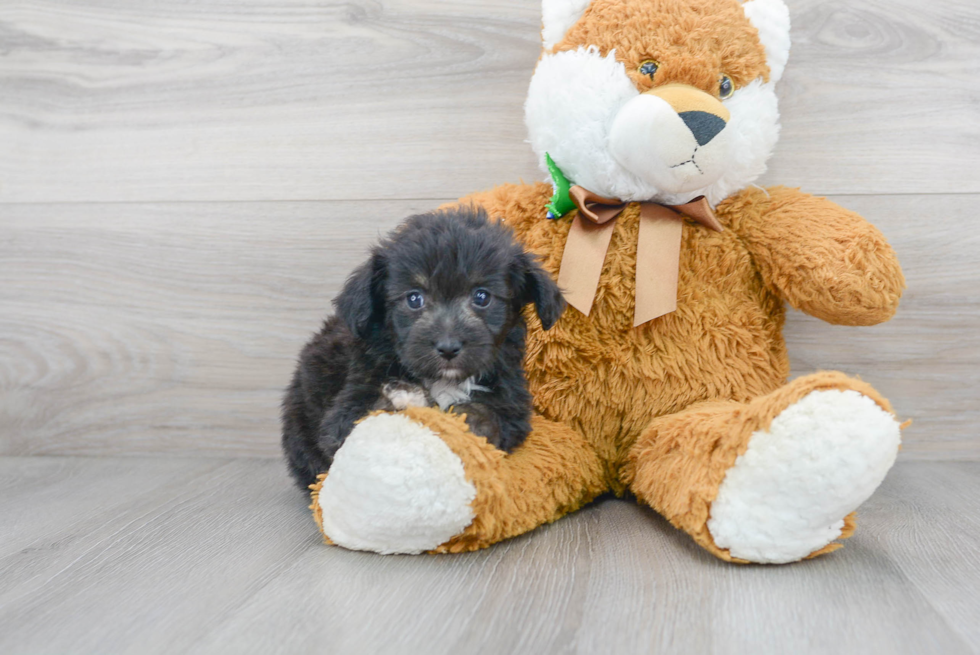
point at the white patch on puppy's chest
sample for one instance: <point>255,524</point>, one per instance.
<point>447,393</point>
<point>404,396</point>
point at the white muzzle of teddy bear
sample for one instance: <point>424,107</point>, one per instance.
<point>608,137</point>
<point>674,138</point>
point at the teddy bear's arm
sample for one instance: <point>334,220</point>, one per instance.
<point>518,205</point>
<point>821,258</point>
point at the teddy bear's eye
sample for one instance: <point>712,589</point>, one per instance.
<point>726,87</point>
<point>649,68</point>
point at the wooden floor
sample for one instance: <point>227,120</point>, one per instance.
<point>152,555</point>
<point>183,188</point>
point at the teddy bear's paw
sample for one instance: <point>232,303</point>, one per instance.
<point>786,497</point>
<point>394,487</point>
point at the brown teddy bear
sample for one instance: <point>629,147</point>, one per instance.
<point>668,376</point>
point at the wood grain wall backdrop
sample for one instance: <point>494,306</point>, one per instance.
<point>183,188</point>
<point>363,99</point>
<point>173,327</point>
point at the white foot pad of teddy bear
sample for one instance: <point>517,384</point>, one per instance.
<point>395,487</point>
<point>788,494</point>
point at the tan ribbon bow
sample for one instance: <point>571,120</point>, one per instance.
<point>658,250</point>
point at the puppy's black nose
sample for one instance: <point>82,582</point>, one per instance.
<point>449,348</point>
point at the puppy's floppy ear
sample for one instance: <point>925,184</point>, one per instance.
<point>361,303</point>
<point>540,289</point>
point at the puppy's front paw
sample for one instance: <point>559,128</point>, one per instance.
<point>482,422</point>
<point>402,395</point>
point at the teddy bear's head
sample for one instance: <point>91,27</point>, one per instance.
<point>661,100</point>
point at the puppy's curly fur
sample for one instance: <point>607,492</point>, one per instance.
<point>434,317</point>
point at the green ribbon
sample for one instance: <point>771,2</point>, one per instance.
<point>561,203</point>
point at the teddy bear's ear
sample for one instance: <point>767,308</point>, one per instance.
<point>771,19</point>
<point>557,17</point>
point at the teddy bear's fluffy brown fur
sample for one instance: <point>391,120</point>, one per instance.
<point>665,409</point>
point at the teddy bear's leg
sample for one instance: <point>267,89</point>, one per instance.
<point>772,480</point>
<point>420,481</point>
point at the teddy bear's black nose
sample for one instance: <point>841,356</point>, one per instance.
<point>703,126</point>
<point>449,348</point>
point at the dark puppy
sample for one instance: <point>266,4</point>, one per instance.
<point>433,318</point>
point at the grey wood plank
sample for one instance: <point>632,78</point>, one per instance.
<point>143,101</point>
<point>926,360</point>
<point>262,100</point>
<point>173,328</point>
<point>847,104</point>
<point>926,519</point>
<point>136,328</point>
<point>153,575</point>
<point>227,560</point>
<point>632,585</point>
<point>73,490</point>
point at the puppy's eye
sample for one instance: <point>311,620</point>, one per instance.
<point>481,297</point>
<point>415,300</point>
<point>726,87</point>
<point>649,68</point>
